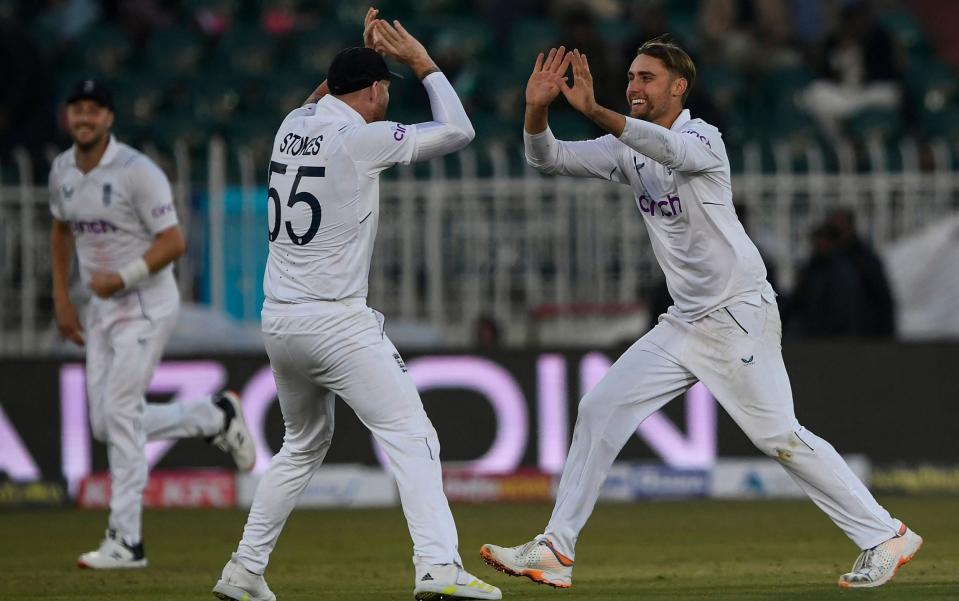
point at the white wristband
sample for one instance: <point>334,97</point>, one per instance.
<point>134,272</point>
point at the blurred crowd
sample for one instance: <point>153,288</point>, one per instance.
<point>768,69</point>
<point>817,71</point>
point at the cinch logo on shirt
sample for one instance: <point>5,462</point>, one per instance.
<point>399,132</point>
<point>701,137</point>
<point>101,226</point>
<point>161,211</point>
<point>667,208</point>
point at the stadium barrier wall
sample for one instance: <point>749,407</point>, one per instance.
<point>499,412</point>
<point>475,234</point>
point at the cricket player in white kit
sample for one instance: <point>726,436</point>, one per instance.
<point>723,330</point>
<point>116,206</point>
<point>322,339</point>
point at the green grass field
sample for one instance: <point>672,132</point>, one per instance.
<point>653,551</point>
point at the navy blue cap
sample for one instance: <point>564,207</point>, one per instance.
<point>91,89</point>
<point>353,69</point>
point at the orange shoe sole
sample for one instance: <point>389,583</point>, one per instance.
<point>902,561</point>
<point>534,575</point>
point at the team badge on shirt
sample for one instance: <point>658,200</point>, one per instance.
<point>107,193</point>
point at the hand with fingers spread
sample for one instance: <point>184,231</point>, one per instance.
<point>395,42</point>
<point>369,39</point>
<point>544,83</point>
<point>580,95</point>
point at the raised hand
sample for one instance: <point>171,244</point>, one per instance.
<point>395,42</point>
<point>580,96</point>
<point>545,82</point>
<point>368,38</point>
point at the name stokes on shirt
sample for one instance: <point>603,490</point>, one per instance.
<point>297,145</point>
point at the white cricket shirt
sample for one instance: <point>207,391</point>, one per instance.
<point>323,208</point>
<point>114,212</point>
<point>681,182</point>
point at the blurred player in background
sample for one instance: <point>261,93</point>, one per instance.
<point>322,339</point>
<point>116,205</point>
<point>723,328</point>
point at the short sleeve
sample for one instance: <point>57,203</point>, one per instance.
<point>151,195</point>
<point>382,144</point>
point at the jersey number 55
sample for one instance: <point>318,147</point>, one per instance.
<point>295,197</point>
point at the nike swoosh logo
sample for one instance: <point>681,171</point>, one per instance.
<point>747,361</point>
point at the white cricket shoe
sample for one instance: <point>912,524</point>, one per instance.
<point>235,438</point>
<point>878,565</point>
<point>236,583</point>
<point>538,560</point>
<point>448,582</point>
<point>114,554</point>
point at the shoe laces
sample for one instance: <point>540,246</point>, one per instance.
<point>526,550</point>
<point>864,563</point>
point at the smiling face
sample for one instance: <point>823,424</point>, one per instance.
<point>654,93</point>
<point>89,123</point>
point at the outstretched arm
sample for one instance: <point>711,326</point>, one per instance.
<point>592,158</point>
<point>543,87</point>
<point>688,151</point>
<point>451,129</point>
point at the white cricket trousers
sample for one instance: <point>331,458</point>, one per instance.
<point>736,353</point>
<point>124,343</point>
<point>340,349</point>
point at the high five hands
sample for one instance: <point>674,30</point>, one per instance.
<point>549,79</point>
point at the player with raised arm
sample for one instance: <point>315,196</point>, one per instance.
<point>723,330</point>
<point>116,206</point>
<point>322,339</point>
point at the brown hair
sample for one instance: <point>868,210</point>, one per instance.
<point>674,57</point>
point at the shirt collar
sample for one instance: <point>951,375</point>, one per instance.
<point>113,147</point>
<point>334,104</point>
<point>683,118</point>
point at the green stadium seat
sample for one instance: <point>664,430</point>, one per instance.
<point>174,50</point>
<point>777,107</point>
<point>908,32</point>
<point>933,91</point>
<point>104,50</point>
<point>245,48</point>
<point>313,50</point>
<point>615,32</point>
<point>874,123</point>
<point>527,38</point>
